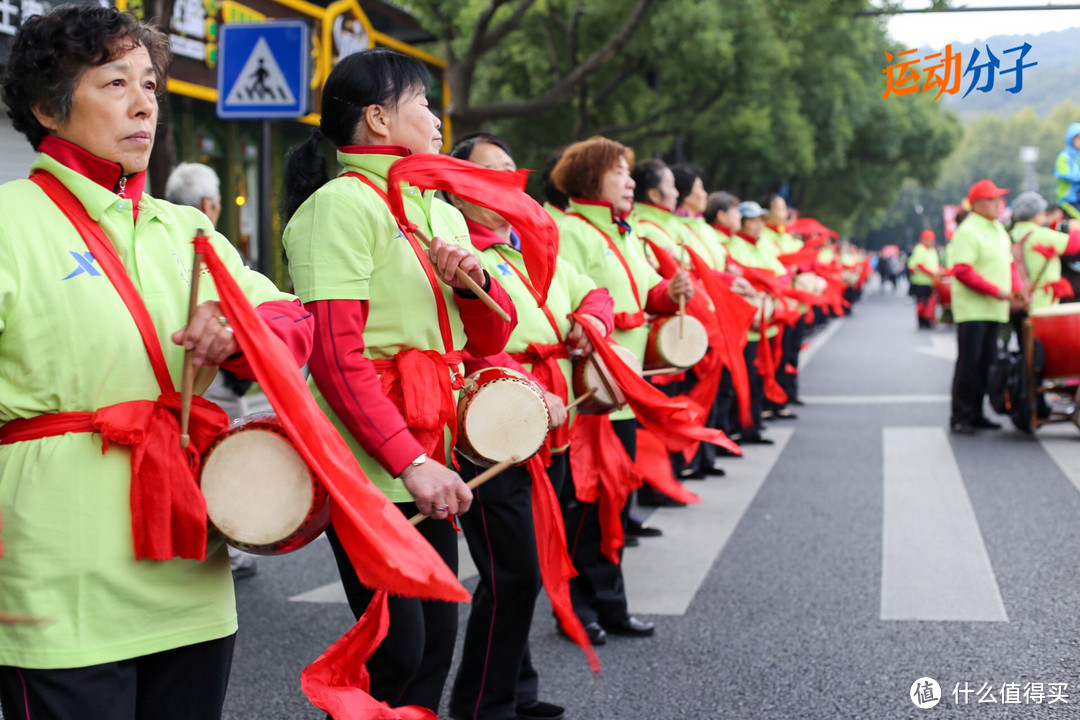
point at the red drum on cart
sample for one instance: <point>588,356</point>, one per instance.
<point>1058,329</point>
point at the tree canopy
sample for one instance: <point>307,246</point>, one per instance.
<point>764,95</point>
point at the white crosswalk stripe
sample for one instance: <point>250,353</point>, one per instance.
<point>934,563</point>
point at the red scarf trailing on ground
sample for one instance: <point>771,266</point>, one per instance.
<point>499,190</point>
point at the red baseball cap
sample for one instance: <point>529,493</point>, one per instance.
<point>984,190</point>
<point>927,235</point>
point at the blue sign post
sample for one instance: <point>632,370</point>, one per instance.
<point>263,70</point>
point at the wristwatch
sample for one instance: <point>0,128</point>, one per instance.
<point>420,460</point>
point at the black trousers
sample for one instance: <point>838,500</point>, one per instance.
<point>791,347</point>
<point>496,673</point>
<point>757,391</point>
<point>976,346</point>
<point>411,664</point>
<point>719,418</point>
<point>186,683</point>
<point>597,592</point>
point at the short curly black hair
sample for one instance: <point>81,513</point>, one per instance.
<point>51,51</point>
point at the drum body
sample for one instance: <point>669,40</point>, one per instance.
<point>501,413</point>
<point>1058,329</point>
<point>667,347</point>
<point>260,494</point>
<point>810,282</point>
<point>590,374</point>
<point>943,287</point>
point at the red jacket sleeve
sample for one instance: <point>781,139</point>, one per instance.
<point>925,269</point>
<point>599,304</point>
<point>1074,243</point>
<point>485,331</point>
<point>351,386</point>
<point>658,300</point>
<point>291,322</point>
<point>967,275</point>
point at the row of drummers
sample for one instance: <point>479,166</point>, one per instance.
<point>633,270</point>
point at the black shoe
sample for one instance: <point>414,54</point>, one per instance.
<point>689,474</point>
<point>633,627</point>
<point>756,440</point>
<point>985,424</point>
<point>596,634</point>
<point>786,414</point>
<point>962,428</point>
<point>540,711</point>
<point>715,471</point>
<point>630,541</point>
<point>796,402</point>
<point>766,414</point>
<point>642,530</point>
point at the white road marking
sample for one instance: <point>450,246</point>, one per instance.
<point>818,341</point>
<point>1061,442</point>
<point>934,562</point>
<point>873,399</point>
<point>663,574</point>
<point>942,346</point>
<point>334,592</point>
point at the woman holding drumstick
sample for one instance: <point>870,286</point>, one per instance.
<point>597,240</point>
<point>95,279</point>
<point>391,320</point>
<point>496,679</point>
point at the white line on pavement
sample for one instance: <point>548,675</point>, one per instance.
<point>1062,443</point>
<point>934,562</point>
<point>873,399</point>
<point>663,574</point>
<point>819,341</point>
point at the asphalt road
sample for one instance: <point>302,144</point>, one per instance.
<point>820,579</point>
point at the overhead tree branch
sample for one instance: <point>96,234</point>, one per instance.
<point>564,85</point>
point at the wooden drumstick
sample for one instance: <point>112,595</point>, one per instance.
<point>662,371</point>
<point>581,398</point>
<point>469,282</point>
<point>187,380</point>
<point>682,296</point>
<point>476,482</point>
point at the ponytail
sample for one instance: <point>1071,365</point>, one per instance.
<point>305,172</point>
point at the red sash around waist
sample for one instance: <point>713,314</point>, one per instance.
<point>168,511</point>
<point>409,378</point>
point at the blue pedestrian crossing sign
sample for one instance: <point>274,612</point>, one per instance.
<point>263,70</point>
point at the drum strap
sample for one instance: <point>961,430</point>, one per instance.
<point>408,378</point>
<point>168,512</point>
<point>623,320</point>
<point>536,296</point>
<point>440,301</point>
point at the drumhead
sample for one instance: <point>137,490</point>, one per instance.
<point>258,489</point>
<point>506,418</point>
<point>1056,310</point>
<point>682,351</point>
